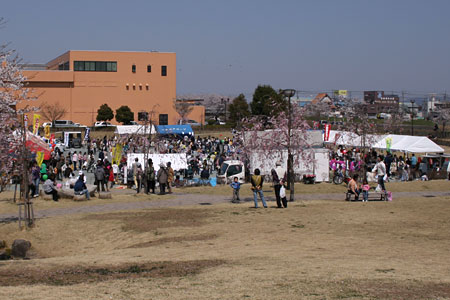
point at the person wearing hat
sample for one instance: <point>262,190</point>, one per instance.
<point>162,177</point>
<point>81,175</point>
<point>80,186</point>
<point>278,176</point>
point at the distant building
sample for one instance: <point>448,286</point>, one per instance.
<point>81,81</point>
<point>377,102</point>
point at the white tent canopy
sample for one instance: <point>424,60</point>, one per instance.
<point>404,143</point>
<point>350,139</point>
<point>135,129</point>
<point>409,143</point>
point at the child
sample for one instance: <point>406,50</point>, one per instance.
<point>236,185</point>
<point>283,193</point>
<point>365,190</point>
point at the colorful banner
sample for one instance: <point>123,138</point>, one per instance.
<point>39,158</point>
<point>47,131</point>
<point>388,144</point>
<point>87,133</point>
<point>340,93</point>
<point>117,154</point>
<point>25,121</point>
<point>36,122</point>
<point>326,134</point>
<point>52,138</point>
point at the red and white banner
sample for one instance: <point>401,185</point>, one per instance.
<point>326,134</point>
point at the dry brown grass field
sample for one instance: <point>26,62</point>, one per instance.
<point>320,249</point>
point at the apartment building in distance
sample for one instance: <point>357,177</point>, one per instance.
<point>377,102</point>
<point>81,81</point>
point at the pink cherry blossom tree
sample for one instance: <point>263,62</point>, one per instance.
<point>13,154</point>
<point>273,136</point>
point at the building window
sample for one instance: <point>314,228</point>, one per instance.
<point>163,119</point>
<point>64,66</point>
<point>163,70</point>
<point>149,69</point>
<point>94,66</point>
<point>133,68</point>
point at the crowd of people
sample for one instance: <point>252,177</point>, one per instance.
<point>204,156</point>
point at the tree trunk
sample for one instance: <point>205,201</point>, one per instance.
<point>291,176</point>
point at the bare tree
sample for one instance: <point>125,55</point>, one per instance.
<point>183,108</point>
<point>52,112</point>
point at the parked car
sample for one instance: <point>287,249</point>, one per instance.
<point>102,124</point>
<point>189,122</point>
<point>65,123</point>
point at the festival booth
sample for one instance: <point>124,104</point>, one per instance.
<point>393,142</point>
<point>135,129</point>
<point>408,144</point>
<point>180,130</point>
<point>35,144</point>
<point>177,160</point>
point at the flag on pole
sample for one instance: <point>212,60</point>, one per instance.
<point>39,158</point>
<point>47,131</point>
<point>36,121</point>
<point>326,134</point>
<point>388,144</point>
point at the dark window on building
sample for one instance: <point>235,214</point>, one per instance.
<point>163,119</point>
<point>133,68</point>
<point>64,66</point>
<point>163,70</point>
<point>94,66</point>
<point>149,69</point>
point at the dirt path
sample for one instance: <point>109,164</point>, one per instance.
<point>192,199</point>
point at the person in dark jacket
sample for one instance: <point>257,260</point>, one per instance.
<point>80,187</point>
<point>150,177</point>
<point>100,176</point>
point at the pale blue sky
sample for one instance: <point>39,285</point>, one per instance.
<point>232,46</point>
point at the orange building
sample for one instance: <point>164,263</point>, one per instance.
<point>81,81</point>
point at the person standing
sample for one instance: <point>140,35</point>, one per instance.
<point>75,160</point>
<point>278,175</point>
<point>150,177</point>
<point>100,176</point>
<point>162,177</point>
<point>170,175</point>
<point>138,178</point>
<point>35,178</point>
<point>257,184</point>
<point>134,167</point>
<point>380,168</point>
<point>236,185</point>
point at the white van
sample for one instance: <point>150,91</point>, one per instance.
<point>229,170</point>
<point>65,123</point>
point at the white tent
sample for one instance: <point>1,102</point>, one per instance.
<point>408,143</point>
<point>347,138</point>
<point>404,143</point>
<point>135,129</point>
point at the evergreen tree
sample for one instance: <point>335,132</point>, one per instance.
<point>238,109</point>
<point>267,102</point>
<point>124,115</point>
<point>105,113</point>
